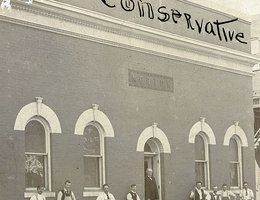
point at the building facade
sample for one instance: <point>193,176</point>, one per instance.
<point>98,91</point>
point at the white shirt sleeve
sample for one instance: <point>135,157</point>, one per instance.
<point>112,196</point>
<point>138,198</point>
<point>129,196</point>
<point>73,196</point>
<point>33,197</point>
<point>99,197</point>
<point>192,194</point>
<point>59,195</point>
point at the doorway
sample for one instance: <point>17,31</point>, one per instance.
<point>152,161</point>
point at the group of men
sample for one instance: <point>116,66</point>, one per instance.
<point>224,194</point>
<point>151,192</point>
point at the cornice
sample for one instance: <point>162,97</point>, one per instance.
<point>80,23</point>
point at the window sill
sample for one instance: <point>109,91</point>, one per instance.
<point>92,193</point>
<point>28,194</point>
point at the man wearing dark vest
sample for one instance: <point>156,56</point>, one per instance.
<point>66,193</point>
<point>132,195</point>
<point>151,192</point>
<point>198,193</point>
<point>214,194</point>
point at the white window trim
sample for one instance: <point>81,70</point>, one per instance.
<point>94,115</point>
<point>94,190</point>
<point>153,132</point>
<point>240,171</point>
<point>37,109</point>
<point>45,193</point>
<point>202,126</point>
<point>235,130</point>
<point>206,147</point>
<point>48,150</point>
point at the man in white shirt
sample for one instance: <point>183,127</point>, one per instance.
<point>132,195</point>
<point>39,195</point>
<point>198,193</point>
<point>105,195</point>
<point>246,193</point>
<point>226,194</point>
<point>66,193</point>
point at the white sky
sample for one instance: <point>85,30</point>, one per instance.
<point>249,7</point>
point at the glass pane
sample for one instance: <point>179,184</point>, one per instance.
<point>147,148</point>
<point>234,174</point>
<point>199,148</point>
<point>92,174</point>
<point>233,150</point>
<point>200,172</point>
<point>35,137</point>
<point>91,141</point>
<point>34,170</point>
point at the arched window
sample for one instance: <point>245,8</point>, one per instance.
<point>235,162</point>
<point>37,154</point>
<point>202,160</point>
<point>94,170</point>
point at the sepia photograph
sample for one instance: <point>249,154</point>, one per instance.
<point>130,100</point>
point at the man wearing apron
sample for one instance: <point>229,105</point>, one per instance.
<point>225,194</point>
<point>198,193</point>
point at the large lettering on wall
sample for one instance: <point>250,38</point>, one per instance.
<point>164,14</point>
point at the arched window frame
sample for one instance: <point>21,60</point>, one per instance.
<point>38,109</point>
<point>240,169</point>
<point>206,161</point>
<point>102,171</point>
<point>47,132</point>
<point>209,139</point>
<point>94,115</point>
<point>236,132</point>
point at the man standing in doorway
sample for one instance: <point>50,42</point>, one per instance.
<point>66,193</point>
<point>151,192</point>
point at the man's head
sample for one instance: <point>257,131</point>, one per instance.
<point>215,188</point>
<point>198,184</point>
<point>133,187</point>
<point>149,172</point>
<point>245,184</point>
<point>67,184</point>
<point>106,188</point>
<point>40,189</point>
<point>224,187</point>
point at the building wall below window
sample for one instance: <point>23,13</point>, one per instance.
<point>72,74</point>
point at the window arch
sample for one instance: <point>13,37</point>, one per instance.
<point>94,159</point>
<point>37,121</point>
<point>37,154</point>
<point>235,138</point>
<point>201,149</point>
<point>202,136</point>
<point>235,162</point>
<point>94,126</point>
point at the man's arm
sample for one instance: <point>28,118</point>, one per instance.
<point>59,195</point>
<point>192,194</point>
<point>129,197</point>
<point>112,196</point>
<point>73,196</point>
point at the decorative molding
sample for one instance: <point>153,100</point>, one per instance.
<point>37,109</point>
<point>89,25</point>
<point>235,130</point>
<point>153,132</point>
<point>94,115</point>
<point>202,126</point>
